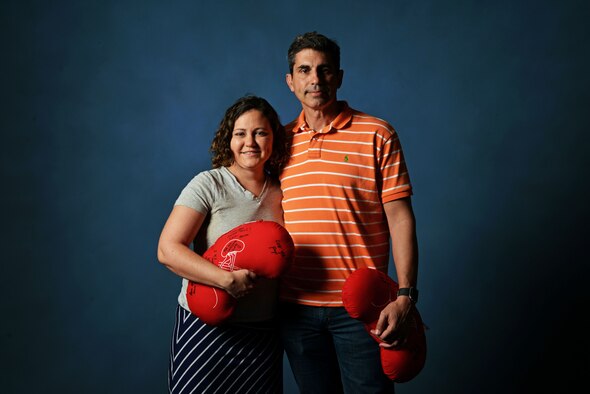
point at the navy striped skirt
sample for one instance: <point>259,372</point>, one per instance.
<point>223,359</point>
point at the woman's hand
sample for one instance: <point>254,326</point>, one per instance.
<point>240,282</point>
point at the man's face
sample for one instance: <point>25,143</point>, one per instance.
<point>315,79</point>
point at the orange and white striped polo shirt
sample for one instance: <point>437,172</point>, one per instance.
<point>334,188</point>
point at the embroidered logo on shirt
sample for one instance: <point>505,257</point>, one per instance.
<point>346,158</point>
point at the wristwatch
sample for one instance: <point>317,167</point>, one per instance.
<point>411,292</point>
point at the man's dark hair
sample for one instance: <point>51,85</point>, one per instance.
<point>317,42</point>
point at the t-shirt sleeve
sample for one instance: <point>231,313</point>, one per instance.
<point>198,194</point>
<point>394,172</point>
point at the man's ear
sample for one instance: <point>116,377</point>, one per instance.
<point>289,80</point>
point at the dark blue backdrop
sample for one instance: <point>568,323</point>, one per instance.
<point>108,109</point>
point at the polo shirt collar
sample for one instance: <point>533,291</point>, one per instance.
<point>343,118</point>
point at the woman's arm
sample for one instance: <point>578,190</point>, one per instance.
<point>174,252</point>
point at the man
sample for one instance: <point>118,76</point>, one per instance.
<point>346,191</point>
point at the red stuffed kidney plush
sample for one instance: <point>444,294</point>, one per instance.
<point>263,247</point>
<point>365,293</point>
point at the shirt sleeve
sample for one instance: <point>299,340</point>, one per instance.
<point>394,172</point>
<point>198,194</point>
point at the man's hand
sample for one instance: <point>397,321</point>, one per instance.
<point>391,326</point>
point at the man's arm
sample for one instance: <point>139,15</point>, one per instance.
<point>402,227</point>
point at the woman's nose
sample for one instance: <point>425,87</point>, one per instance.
<point>250,140</point>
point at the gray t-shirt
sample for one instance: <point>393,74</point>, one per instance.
<point>219,196</point>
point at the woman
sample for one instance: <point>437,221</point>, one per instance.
<point>248,151</point>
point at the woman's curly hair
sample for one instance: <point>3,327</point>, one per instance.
<point>220,146</point>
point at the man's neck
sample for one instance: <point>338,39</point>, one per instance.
<point>317,119</point>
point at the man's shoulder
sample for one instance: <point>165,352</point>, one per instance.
<point>292,125</point>
<point>363,120</point>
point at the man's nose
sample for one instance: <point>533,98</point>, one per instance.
<point>315,76</point>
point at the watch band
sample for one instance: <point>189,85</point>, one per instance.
<point>411,292</point>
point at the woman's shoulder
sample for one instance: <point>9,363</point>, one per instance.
<point>206,183</point>
<point>212,176</point>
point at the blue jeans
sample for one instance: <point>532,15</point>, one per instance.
<point>330,352</point>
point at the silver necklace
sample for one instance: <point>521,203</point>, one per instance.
<point>263,189</point>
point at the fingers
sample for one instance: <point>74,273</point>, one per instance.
<point>386,324</point>
<point>386,345</point>
<point>390,328</point>
<point>380,323</point>
<point>396,343</point>
<point>395,336</point>
<point>388,331</point>
<point>244,282</point>
<point>240,293</point>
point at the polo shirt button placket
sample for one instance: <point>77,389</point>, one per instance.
<point>314,150</point>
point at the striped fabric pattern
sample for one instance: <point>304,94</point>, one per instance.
<point>334,188</point>
<point>223,359</point>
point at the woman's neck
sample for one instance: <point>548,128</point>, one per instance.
<point>251,180</point>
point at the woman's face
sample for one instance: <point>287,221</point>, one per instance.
<point>251,141</point>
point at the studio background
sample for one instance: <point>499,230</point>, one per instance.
<point>108,110</point>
